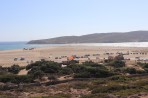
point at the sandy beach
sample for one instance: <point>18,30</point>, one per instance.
<point>55,53</point>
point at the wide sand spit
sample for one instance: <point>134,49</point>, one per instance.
<point>23,57</point>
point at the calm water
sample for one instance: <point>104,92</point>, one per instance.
<point>21,45</point>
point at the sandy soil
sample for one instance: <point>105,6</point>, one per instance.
<point>23,72</point>
<point>50,53</point>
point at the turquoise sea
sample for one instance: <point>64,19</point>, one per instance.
<point>21,45</point>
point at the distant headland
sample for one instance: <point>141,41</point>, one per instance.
<point>114,37</point>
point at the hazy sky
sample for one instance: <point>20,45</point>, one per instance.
<point>23,20</point>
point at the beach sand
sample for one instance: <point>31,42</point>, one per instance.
<point>50,53</point>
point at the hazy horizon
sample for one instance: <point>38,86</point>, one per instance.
<point>25,20</point>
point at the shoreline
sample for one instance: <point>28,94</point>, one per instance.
<point>52,52</point>
<point>18,46</point>
<point>71,45</point>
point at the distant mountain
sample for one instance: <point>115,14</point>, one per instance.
<point>134,36</point>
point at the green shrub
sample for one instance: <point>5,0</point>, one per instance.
<point>49,68</point>
<point>36,72</point>
<point>100,89</point>
<point>144,65</point>
<point>117,63</point>
<point>109,88</point>
<point>16,79</point>
<point>120,78</point>
<point>127,92</point>
<point>77,68</point>
<point>14,69</point>
<point>82,75</point>
<point>103,74</point>
<point>131,70</point>
<point>55,96</point>
<point>66,71</point>
<point>92,64</point>
<point>141,71</point>
<point>146,70</point>
<point>82,71</point>
<point>41,68</point>
<point>72,62</point>
<point>45,66</point>
<point>99,82</point>
<point>140,83</point>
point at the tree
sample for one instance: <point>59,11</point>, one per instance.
<point>66,71</point>
<point>45,66</point>
<point>117,63</point>
<point>95,65</point>
<point>14,69</point>
<point>77,68</point>
<point>36,72</point>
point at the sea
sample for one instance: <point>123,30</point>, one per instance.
<point>21,45</point>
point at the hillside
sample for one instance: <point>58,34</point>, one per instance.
<point>134,36</point>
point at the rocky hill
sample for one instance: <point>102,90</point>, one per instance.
<point>134,36</point>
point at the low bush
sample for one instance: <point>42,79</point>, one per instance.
<point>144,65</point>
<point>14,69</point>
<point>66,71</point>
<point>131,70</point>
<point>82,75</point>
<point>16,79</point>
<point>92,64</point>
<point>120,78</point>
<point>77,68</point>
<point>99,82</point>
<point>127,92</point>
<point>109,88</point>
<point>117,63</point>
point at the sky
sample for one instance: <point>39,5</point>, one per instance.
<point>24,20</point>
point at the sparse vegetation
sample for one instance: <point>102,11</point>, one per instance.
<point>14,69</point>
<point>90,80</point>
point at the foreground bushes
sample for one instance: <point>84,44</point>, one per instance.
<point>93,73</point>
<point>16,79</point>
<point>45,66</point>
<point>85,70</point>
<point>120,78</point>
<point>90,70</point>
<point>134,71</point>
<point>15,69</point>
<point>109,89</point>
<point>117,64</point>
